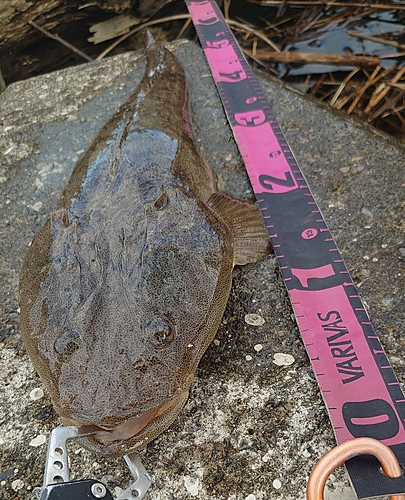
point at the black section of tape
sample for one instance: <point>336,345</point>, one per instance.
<point>368,480</point>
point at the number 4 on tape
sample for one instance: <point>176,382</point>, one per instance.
<point>357,382</point>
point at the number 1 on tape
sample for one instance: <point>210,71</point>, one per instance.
<point>358,384</point>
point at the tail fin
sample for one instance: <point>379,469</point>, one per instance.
<point>149,38</point>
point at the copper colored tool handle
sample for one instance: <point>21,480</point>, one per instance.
<point>338,455</point>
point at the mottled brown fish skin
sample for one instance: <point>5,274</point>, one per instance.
<point>124,287</point>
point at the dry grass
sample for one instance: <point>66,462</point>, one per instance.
<point>370,91</point>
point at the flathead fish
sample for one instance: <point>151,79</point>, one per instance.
<point>124,287</point>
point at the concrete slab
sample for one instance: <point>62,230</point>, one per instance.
<point>251,429</point>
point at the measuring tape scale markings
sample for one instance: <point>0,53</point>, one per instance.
<point>358,384</point>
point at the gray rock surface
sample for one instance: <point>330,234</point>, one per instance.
<point>251,429</point>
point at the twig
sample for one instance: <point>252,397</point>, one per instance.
<point>309,57</point>
<point>326,94</point>
<point>62,41</point>
<point>352,97</point>
<point>392,56</point>
<point>281,9</point>
<point>275,26</point>
<point>139,28</point>
<point>377,39</point>
<point>318,84</point>
<point>400,86</point>
<point>387,106</point>
<point>183,29</point>
<point>254,47</point>
<point>311,22</point>
<point>342,86</point>
<point>227,4</point>
<point>330,3</point>
<point>397,112</point>
<point>373,79</point>
<point>257,33</point>
<point>306,83</point>
<point>249,54</point>
<point>382,90</point>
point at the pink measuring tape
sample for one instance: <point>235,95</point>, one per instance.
<point>358,384</point>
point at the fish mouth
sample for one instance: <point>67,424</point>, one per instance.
<point>122,431</point>
<point>132,434</point>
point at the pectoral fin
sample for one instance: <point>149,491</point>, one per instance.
<point>243,217</point>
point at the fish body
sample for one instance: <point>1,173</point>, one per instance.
<point>124,287</point>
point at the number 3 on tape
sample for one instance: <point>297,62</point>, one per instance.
<point>357,382</point>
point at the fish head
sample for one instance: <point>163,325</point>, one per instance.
<point>123,315</point>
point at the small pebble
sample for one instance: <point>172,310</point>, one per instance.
<point>282,359</point>
<point>250,497</point>
<point>118,491</point>
<point>192,485</point>
<point>37,206</point>
<point>254,319</point>
<point>38,441</point>
<point>345,170</point>
<point>277,484</point>
<point>36,394</point>
<point>17,485</point>
<point>249,358</point>
<point>387,301</point>
<point>258,347</point>
<point>364,273</point>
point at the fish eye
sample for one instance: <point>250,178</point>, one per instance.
<point>158,332</point>
<point>67,344</point>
